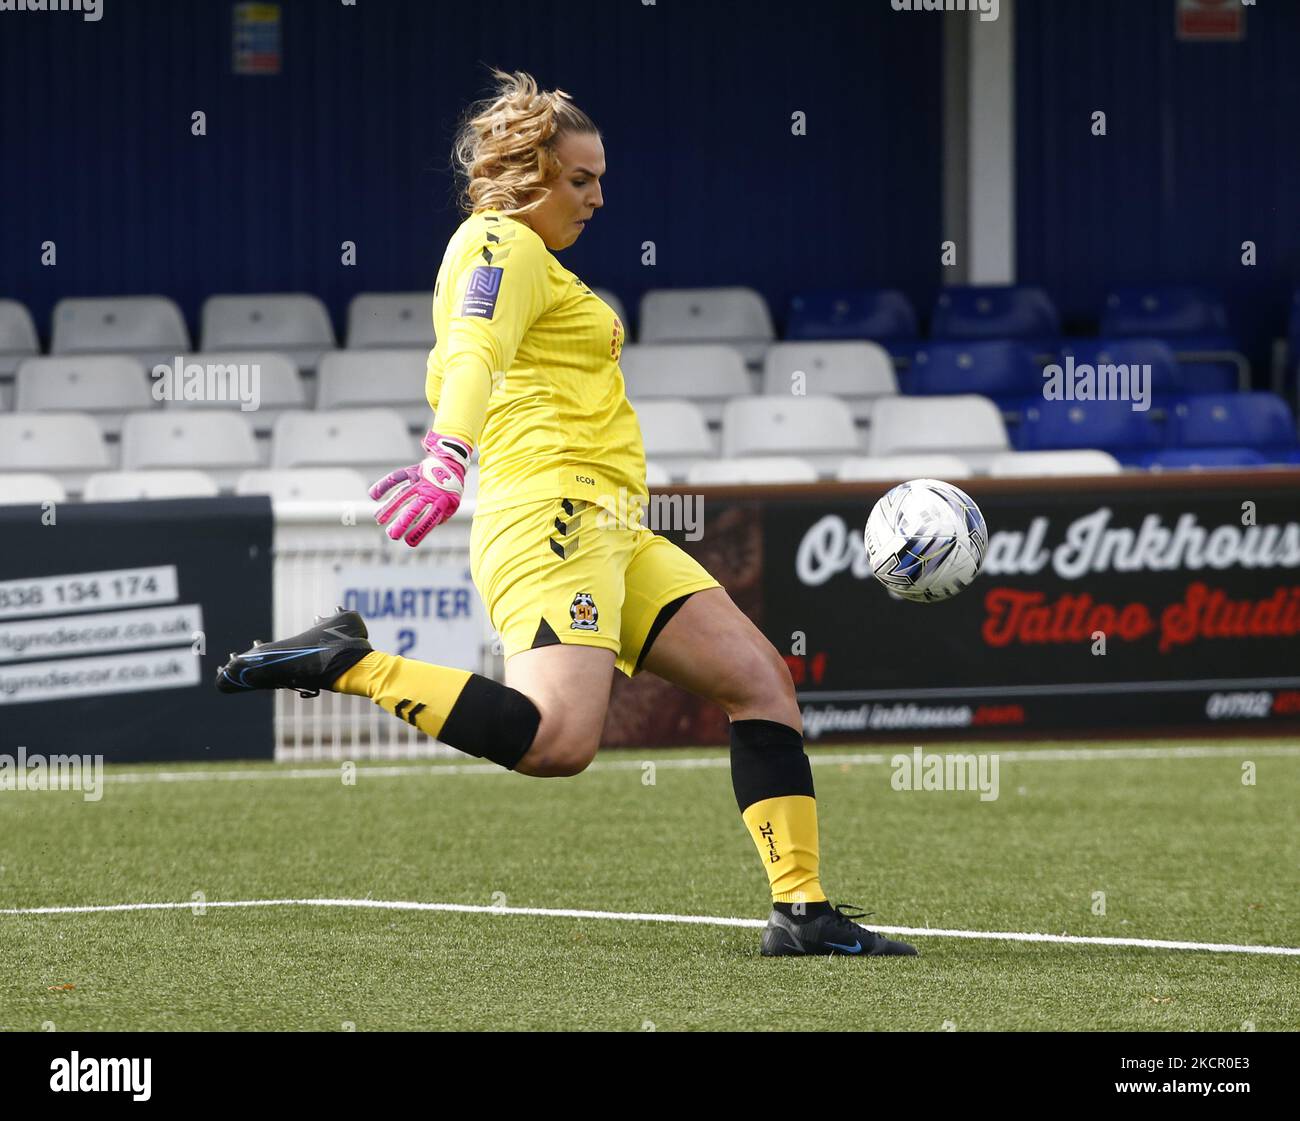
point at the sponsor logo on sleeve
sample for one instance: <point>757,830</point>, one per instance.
<point>481,292</point>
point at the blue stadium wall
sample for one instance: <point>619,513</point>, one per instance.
<point>1202,152</point>
<point>351,142</point>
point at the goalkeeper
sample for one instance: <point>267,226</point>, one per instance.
<point>525,371</point>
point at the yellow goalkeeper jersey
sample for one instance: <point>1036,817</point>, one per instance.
<point>558,421</point>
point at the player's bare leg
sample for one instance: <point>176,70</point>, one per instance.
<point>712,649</point>
<point>570,686</point>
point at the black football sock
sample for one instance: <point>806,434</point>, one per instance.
<point>774,789</point>
<point>466,710</point>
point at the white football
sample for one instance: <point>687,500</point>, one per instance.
<point>926,540</point>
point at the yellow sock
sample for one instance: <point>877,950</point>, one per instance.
<point>420,693</point>
<point>785,832</point>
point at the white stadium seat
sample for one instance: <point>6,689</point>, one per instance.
<point>888,468</point>
<point>657,475</point>
<point>706,374</point>
<point>1083,461</point>
<point>69,446</point>
<point>614,302</point>
<point>738,316</point>
<point>818,429</point>
<point>755,469</point>
<point>151,328</point>
<point>25,488</point>
<point>17,341</point>
<point>220,443</point>
<point>392,379</point>
<point>674,434</point>
<point>124,486</point>
<point>306,484</point>
<point>295,325</point>
<point>401,319</point>
<point>108,386</point>
<point>855,372</point>
<point>278,384</point>
<point>966,425</point>
<point>374,441</point>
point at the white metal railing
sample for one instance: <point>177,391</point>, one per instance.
<point>313,541</point>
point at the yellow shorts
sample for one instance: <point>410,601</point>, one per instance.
<point>548,573</point>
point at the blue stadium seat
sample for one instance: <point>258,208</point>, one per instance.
<point>884,315</point>
<point>1166,376</point>
<point>1193,321</point>
<point>1112,426</point>
<point>997,312</point>
<point>1212,377</point>
<point>1168,311</point>
<point>1177,459</point>
<point>1003,370</point>
<point>1227,420</point>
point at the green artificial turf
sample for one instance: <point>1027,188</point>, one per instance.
<point>1180,847</point>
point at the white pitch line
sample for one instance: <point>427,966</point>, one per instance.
<point>633,916</point>
<point>817,757</point>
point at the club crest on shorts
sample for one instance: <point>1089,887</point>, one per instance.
<point>583,612</point>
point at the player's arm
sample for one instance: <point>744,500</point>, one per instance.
<point>497,299</point>
<point>495,304</point>
<point>433,379</point>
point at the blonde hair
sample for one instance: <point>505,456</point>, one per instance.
<point>505,145</point>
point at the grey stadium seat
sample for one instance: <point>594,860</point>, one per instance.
<point>706,374</point>
<point>400,319</point>
<point>855,372</point>
<point>69,446</point>
<point>818,429</point>
<point>292,324</point>
<point>887,468</point>
<point>25,488</point>
<point>125,486</point>
<point>219,443</point>
<point>675,435</point>
<point>391,379</point>
<point>1081,461</point>
<point>150,328</point>
<point>738,316</point>
<point>279,386</point>
<point>657,475</point>
<point>754,469</point>
<point>107,386</point>
<point>17,341</point>
<point>965,424</point>
<point>373,441</point>
<point>306,484</point>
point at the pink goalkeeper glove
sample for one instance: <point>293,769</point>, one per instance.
<point>427,493</point>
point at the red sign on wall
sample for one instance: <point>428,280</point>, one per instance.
<point>1208,20</point>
